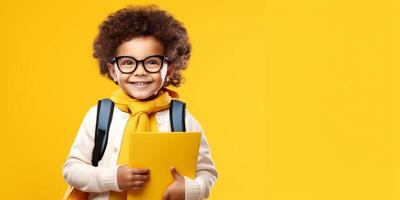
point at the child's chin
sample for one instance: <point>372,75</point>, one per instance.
<point>141,95</point>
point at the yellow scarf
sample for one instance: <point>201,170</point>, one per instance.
<point>141,119</point>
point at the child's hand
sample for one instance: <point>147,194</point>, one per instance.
<point>176,191</point>
<point>132,178</point>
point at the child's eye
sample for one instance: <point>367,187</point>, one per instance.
<point>153,62</point>
<point>127,62</point>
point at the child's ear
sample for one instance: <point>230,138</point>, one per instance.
<point>171,69</point>
<point>111,70</point>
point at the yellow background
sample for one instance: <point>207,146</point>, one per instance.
<point>299,99</point>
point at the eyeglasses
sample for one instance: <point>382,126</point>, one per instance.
<point>151,64</point>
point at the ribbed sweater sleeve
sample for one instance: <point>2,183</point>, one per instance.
<point>78,170</point>
<point>206,172</point>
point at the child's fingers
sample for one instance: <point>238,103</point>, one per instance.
<point>137,184</point>
<point>140,177</point>
<point>140,171</point>
<point>136,188</point>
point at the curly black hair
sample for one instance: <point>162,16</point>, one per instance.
<point>143,20</point>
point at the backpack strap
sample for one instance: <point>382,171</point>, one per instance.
<point>177,116</point>
<point>105,109</point>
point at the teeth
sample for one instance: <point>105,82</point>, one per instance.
<point>140,83</point>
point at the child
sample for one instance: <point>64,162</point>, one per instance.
<point>142,49</point>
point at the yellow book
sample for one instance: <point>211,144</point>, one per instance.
<point>159,151</point>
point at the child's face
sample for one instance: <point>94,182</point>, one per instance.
<point>140,84</point>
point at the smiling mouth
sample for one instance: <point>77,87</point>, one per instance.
<point>141,84</point>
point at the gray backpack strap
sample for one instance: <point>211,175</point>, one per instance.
<point>105,109</point>
<point>177,116</point>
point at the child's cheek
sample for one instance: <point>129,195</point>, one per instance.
<point>163,72</point>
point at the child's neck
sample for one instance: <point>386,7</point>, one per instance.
<point>153,96</point>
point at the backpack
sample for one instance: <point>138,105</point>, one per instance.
<point>105,109</point>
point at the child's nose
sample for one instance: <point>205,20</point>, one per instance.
<point>140,70</point>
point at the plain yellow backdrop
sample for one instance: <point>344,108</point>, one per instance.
<point>298,99</point>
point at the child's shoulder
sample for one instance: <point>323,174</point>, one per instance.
<point>93,109</point>
<point>90,114</point>
<point>166,114</point>
<point>191,122</point>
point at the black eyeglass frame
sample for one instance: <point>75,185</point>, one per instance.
<point>163,58</point>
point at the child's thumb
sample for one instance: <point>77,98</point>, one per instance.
<point>165,195</point>
<point>175,173</point>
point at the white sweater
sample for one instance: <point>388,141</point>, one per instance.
<point>99,181</point>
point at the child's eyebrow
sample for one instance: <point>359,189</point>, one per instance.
<point>143,57</point>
